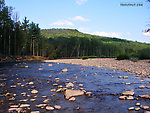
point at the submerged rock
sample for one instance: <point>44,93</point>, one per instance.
<point>128,93</point>
<point>34,91</point>
<point>47,101</point>
<point>57,107</point>
<point>72,99</point>
<point>72,93</point>
<point>64,70</point>
<point>131,108</point>
<point>122,97</point>
<point>69,85</point>
<point>142,86</point>
<point>24,105</point>
<point>49,108</point>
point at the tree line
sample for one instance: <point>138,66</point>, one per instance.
<point>17,38</point>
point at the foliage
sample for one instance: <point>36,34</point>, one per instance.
<point>123,57</point>
<point>84,57</point>
<point>144,53</point>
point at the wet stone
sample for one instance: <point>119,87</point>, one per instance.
<point>142,86</point>
<point>34,92</point>
<point>57,107</point>
<point>122,97</point>
<point>53,90</point>
<point>130,98</point>
<point>69,85</point>
<point>131,108</point>
<point>32,100</point>
<point>64,70</point>
<point>144,107</point>
<point>72,99</point>
<point>41,105</point>
<point>14,106</point>
<point>80,85</point>
<point>47,101</point>
<point>88,93</point>
<point>129,93</point>
<point>49,108</point>
<point>137,104</point>
<point>137,109</point>
<point>24,105</point>
<point>125,77</point>
<point>72,93</point>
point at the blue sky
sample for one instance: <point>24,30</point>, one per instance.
<point>99,17</point>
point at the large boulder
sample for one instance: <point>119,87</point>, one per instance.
<point>73,93</point>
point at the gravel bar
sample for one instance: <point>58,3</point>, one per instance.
<point>141,67</point>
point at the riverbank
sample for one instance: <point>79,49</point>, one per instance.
<point>141,67</point>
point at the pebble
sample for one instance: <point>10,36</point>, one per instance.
<point>24,100</point>
<point>24,105</point>
<point>23,94</point>
<point>130,98</point>
<point>125,77</point>
<point>12,98</point>
<point>41,105</point>
<point>120,77</point>
<point>50,65</point>
<point>49,108</point>
<point>26,66</point>
<point>57,107</point>
<point>72,99</point>
<point>53,90</point>
<point>32,100</point>
<point>122,97</point>
<point>142,87</point>
<point>129,93</point>
<point>44,96</point>
<point>64,70</point>
<point>144,107</point>
<point>69,85</point>
<point>30,83</point>
<point>14,106</point>
<point>47,101</point>
<point>67,79</point>
<point>128,83</point>
<point>34,91</point>
<point>13,86</point>
<point>137,104</point>
<point>88,93</point>
<point>131,108</point>
<point>80,85</point>
<point>137,109</point>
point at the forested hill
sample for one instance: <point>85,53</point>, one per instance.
<point>72,43</point>
<point>68,33</point>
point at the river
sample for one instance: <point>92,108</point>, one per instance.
<point>106,86</point>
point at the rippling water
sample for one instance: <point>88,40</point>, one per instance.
<point>104,84</point>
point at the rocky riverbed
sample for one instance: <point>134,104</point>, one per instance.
<point>141,67</point>
<point>38,87</point>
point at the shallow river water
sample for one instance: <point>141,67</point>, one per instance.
<point>105,85</point>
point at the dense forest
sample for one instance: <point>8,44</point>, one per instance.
<point>27,39</point>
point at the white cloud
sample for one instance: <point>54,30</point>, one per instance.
<point>62,22</point>
<point>108,34</point>
<point>80,2</point>
<point>79,18</point>
<point>146,33</point>
<point>83,29</point>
